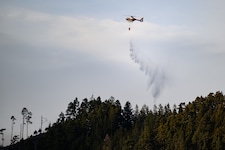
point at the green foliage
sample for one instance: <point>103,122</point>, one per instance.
<point>72,109</point>
<point>95,124</point>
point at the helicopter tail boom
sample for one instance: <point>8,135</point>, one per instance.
<point>142,19</point>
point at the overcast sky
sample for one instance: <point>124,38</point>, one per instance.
<point>52,52</point>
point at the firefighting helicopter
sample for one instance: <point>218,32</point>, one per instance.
<point>132,19</point>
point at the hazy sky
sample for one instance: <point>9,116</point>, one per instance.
<point>54,51</point>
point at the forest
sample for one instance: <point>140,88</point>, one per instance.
<point>96,124</point>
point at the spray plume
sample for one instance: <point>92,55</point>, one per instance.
<point>156,76</point>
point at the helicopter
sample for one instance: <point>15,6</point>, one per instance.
<point>132,19</point>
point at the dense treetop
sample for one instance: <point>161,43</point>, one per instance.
<point>95,124</point>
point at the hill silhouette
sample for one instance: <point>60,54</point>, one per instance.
<point>95,124</point>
